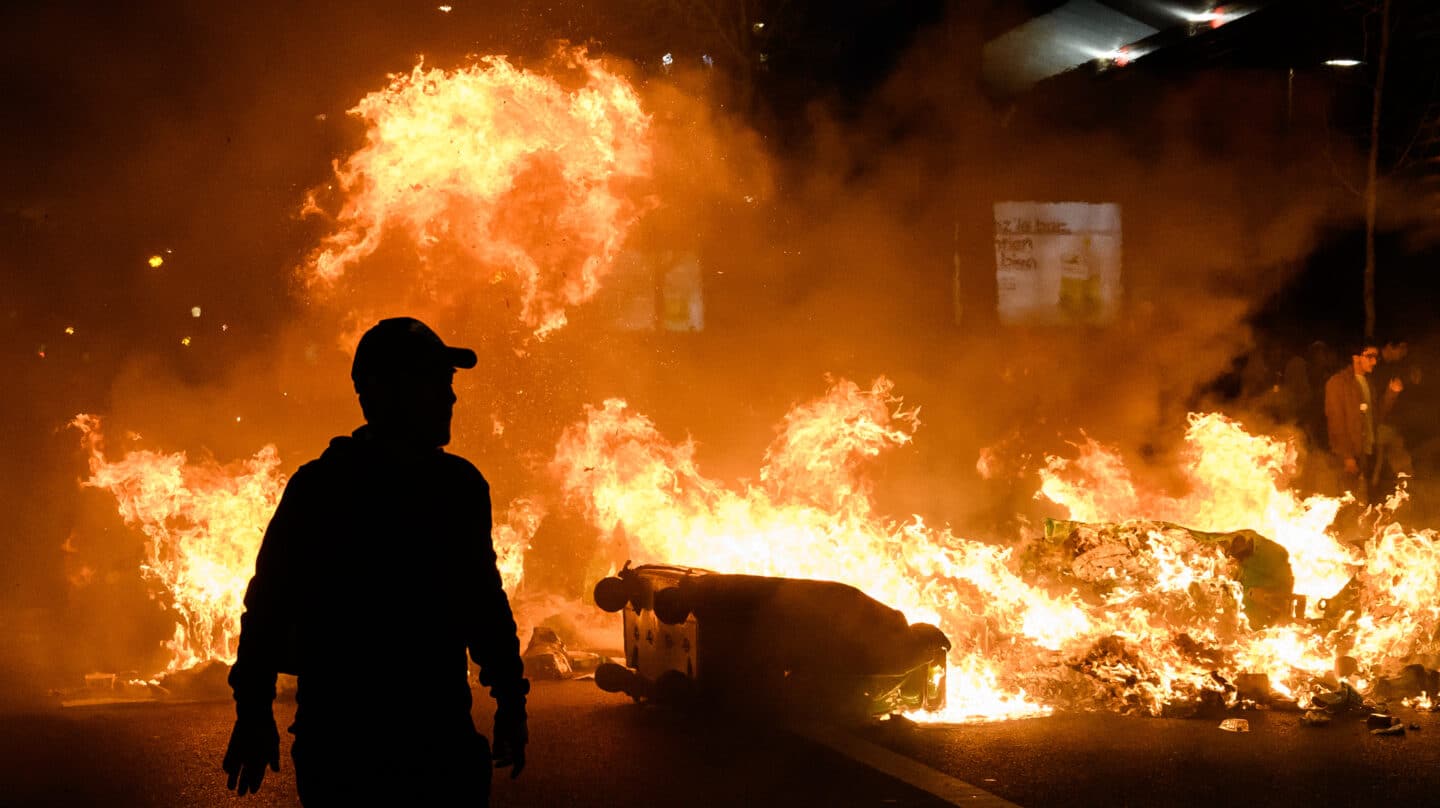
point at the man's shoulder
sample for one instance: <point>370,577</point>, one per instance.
<point>460,467</point>
<point>329,465</point>
<point>326,463</point>
<point>311,478</point>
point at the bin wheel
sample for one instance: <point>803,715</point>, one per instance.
<point>611,594</point>
<point>674,687</point>
<point>613,678</point>
<point>671,606</point>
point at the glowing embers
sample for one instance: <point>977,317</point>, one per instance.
<point>497,175</point>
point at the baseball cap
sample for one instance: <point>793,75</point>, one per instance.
<point>400,346</point>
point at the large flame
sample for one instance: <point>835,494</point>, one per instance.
<point>811,515</point>
<point>517,176</point>
<point>1117,611</point>
<point>203,523</point>
<point>1142,616</point>
<point>1236,481</point>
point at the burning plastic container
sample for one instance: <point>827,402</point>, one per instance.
<point>777,644</point>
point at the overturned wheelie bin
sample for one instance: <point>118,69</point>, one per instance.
<point>789,645</point>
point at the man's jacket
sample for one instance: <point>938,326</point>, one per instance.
<point>1344,413</point>
<point>375,576</point>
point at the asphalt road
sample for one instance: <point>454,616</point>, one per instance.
<point>592,748</point>
<point>1110,760</point>
<point>587,748</point>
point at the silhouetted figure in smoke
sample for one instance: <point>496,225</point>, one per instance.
<point>1392,454</point>
<point>375,576</point>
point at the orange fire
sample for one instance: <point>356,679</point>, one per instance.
<point>1235,481</point>
<point>511,181</point>
<point>1138,615</point>
<point>1152,615</point>
<point>496,174</point>
<point>812,515</point>
<point>203,523</point>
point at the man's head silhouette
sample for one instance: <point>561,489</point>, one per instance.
<point>403,373</point>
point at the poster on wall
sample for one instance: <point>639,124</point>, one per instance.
<point>649,292</point>
<point>1057,263</point>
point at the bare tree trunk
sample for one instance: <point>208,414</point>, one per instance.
<point>747,60</point>
<point>1372,174</point>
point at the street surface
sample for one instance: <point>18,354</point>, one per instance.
<point>594,748</point>
<point>1111,760</point>
<point>587,748</point>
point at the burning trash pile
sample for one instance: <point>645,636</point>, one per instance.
<point>1230,628</point>
<point>1165,618</point>
<point>1241,596</point>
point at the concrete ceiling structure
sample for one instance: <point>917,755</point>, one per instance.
<point>1080,32</point>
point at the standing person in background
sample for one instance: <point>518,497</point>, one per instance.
<point>1391,451</point>
<point>1353,408</point>
<point>1296,393</point>
<point>377,569</point>
<point>1320,362</point>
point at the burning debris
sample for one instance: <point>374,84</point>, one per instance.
<point>1127,614</point>
<point>547,657</point>
<point>1132,615</point>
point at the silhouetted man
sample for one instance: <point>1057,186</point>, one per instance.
<point>375,576</point>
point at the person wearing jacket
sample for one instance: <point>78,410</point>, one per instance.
<point>1354,408</point>
<point>375,577</point>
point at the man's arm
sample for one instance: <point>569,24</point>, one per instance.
<point>1388,398</point>
<point>266,626</point>
<point>1336,421</point>
<point>495,646</point>
<point>493,640</point>
<point>265,631</point>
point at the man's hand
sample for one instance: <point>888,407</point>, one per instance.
<point>510,736</point>
<point>254,744</point>
<point>1351,467</point>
